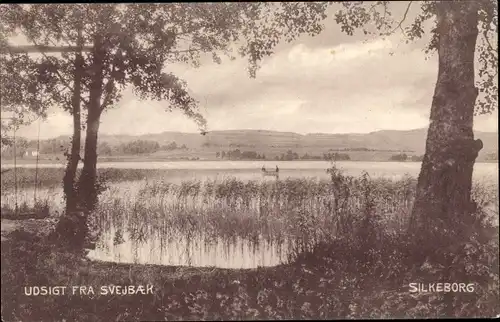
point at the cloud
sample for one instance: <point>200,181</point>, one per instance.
<point>307,86</point>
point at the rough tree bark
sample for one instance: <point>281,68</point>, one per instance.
<point>443,204</point>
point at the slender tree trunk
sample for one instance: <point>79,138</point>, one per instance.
<point>74,158</point>
<point>443,204</point>
<point>71,229</point>
<point>87,189</point>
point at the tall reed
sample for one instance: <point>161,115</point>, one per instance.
<point>297,212</point>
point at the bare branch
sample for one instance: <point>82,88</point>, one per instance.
<point>185,51</point>
<point>403,19</point>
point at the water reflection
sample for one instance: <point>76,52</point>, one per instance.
<point>189,251</point>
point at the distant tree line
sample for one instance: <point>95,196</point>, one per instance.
<point>137,147</point>
<point>417,158</point>
<point>336,156</point>
<point>491,156</point>
<point>239,145</point>
<point>239,155</point>
<point>19,146</point>
<point>290,155</point>
<point>404,157</point>
<point>369,150</point>
<point>59,146</point>
<point>232,145</point>
<point>311,157</point>
<point>173,146</point>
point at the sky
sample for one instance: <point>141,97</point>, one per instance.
<point>331,83</point>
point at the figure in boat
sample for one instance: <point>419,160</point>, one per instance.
<point>270,173</point>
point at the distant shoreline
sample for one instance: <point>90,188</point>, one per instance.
<point>145,160</point>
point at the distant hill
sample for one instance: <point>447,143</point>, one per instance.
<point>377,146</point>
<point>393,140</point>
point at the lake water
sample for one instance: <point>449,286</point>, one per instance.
<point>194,251</point>
<point>251,169</point>
<point>188,251</point>
<point>178,171</point>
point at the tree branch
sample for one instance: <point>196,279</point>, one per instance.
<point>490,47</point>
<point>82,83</point>
<point>61,78</point>
<point>44,49</point>
<point>402,20</point>
<point>108,89</point>
<point>184,51</point>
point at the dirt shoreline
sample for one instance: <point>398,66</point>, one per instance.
<point>34,226</point>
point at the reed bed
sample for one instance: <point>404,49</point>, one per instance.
<point>53,177</point>
<point>299,213</point>
<point>295,214</point>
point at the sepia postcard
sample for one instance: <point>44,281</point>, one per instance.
<point>249,160</point>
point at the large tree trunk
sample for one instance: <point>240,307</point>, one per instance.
<point>443,204</point>
<point>87,188</point>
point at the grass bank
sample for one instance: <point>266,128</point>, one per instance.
<point>347,278</point>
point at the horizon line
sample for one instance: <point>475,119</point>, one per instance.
<point>243,129</point>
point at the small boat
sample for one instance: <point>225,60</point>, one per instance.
<point>270,173</point>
